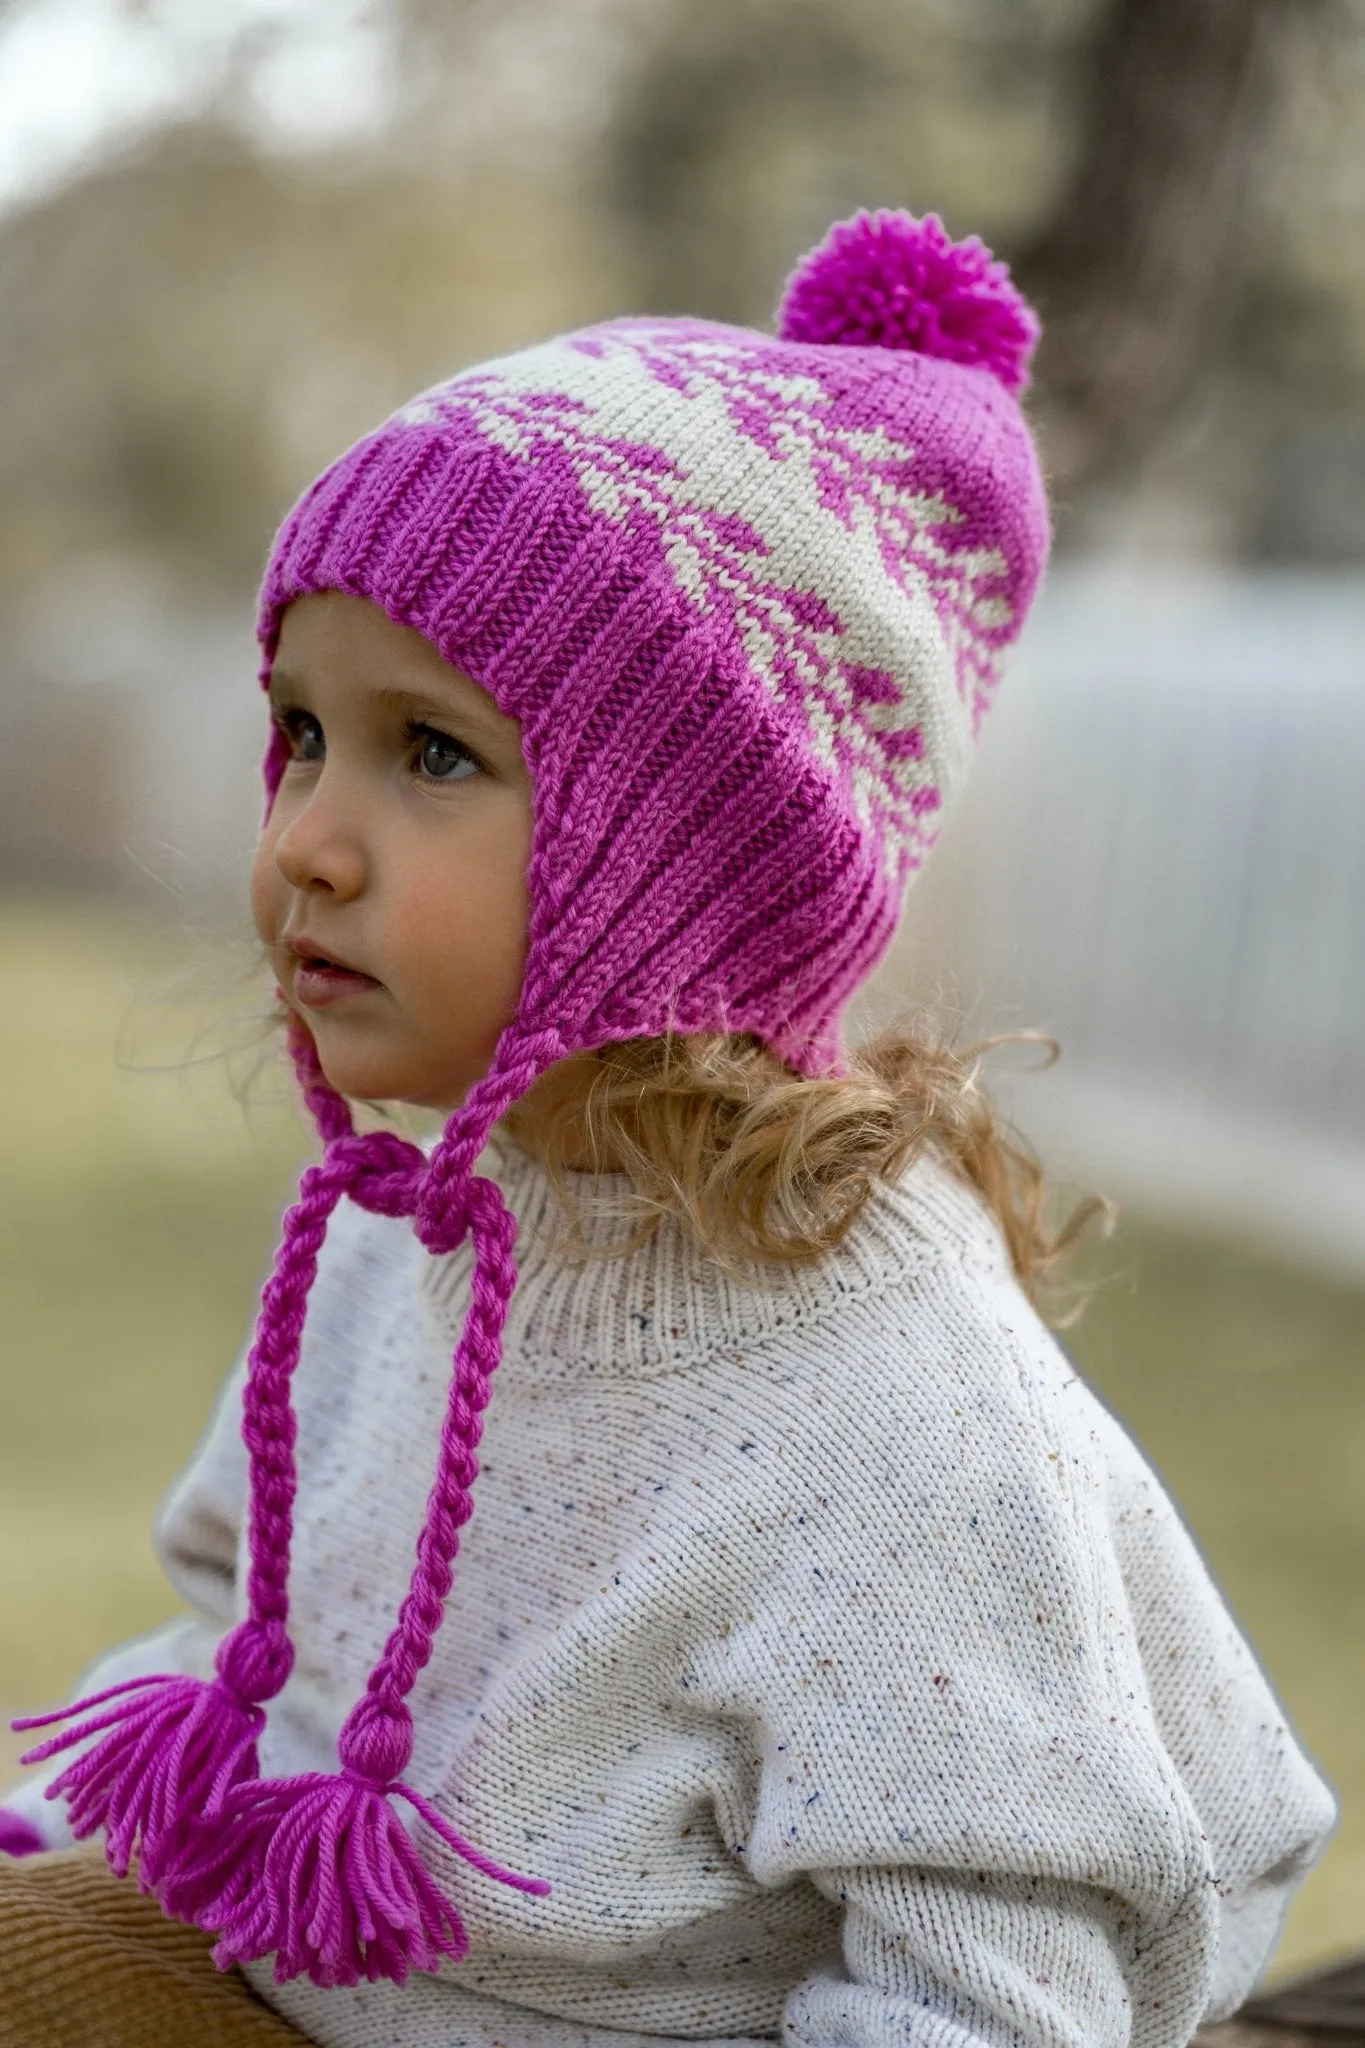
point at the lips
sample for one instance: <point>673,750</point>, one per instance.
<point>310,955</point>
<point>321,978</point>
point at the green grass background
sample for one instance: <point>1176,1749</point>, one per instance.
<point>138,1208</point>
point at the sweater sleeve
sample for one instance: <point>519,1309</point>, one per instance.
<point>195,1536</point>
<point>1264,1809</point>
<point>955,1698</point>
<point>949,1959</point>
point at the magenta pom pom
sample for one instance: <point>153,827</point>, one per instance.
<point>172,1745</point>
<point>319,1872</point>
<point>887,280</point>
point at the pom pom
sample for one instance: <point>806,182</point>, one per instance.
<point>172,1744</point>
<point>887,280</point>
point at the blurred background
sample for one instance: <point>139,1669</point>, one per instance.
<point>234,233</point>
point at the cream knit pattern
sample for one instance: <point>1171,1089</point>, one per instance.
<point>821,1639</point>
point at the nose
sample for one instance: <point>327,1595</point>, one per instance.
<point>319,849</point>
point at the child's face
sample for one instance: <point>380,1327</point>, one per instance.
<point>398,844</point>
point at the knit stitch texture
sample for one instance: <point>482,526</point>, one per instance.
<point>825,1643</point>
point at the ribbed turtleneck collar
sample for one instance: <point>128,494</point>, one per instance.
<point>664,1305</point>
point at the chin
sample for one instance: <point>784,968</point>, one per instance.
<point>440,1098</point>
<point>359,1080</point>
<point>371,1081</point>
<point>374,1074</point>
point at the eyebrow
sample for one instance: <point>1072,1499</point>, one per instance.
<point>467,708</point>
<point>285,690</point>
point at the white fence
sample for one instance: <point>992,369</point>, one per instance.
<point>1162,861</point>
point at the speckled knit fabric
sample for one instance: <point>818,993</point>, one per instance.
<point>824,1641</point>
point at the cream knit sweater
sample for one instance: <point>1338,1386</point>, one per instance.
<point>825,1643</point>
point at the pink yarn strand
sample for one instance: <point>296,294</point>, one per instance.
<point>537,1887</point>
<point>95,1699</point>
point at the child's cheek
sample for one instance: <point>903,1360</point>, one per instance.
<point>467,934</point>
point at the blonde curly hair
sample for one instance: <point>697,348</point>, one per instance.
<point>760,1163</point>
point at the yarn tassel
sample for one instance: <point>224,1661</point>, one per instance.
<point>320,1872</point>
<point>173,1745</point>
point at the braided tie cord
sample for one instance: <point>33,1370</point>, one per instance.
<point>318,1870</point>
<point>367,1743</point>
<point>170,1744</point>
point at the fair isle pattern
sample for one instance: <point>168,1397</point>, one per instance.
<point>864,602</point>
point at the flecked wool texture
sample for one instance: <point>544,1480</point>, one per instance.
<point>820,1636</point>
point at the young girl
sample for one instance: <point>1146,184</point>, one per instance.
<point>820,1661</point>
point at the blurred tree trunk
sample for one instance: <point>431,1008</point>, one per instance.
<point>1149,238</point>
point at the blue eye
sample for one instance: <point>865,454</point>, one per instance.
<point>441,758</point>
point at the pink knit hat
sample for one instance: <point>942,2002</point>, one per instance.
<point>748,599</point>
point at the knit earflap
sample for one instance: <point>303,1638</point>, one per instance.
<point>317,1870</point>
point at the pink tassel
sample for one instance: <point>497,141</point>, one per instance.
<point>319,1871</point>
<point>173,1744</point>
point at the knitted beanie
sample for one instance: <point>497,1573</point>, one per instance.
<point>748,598</point>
